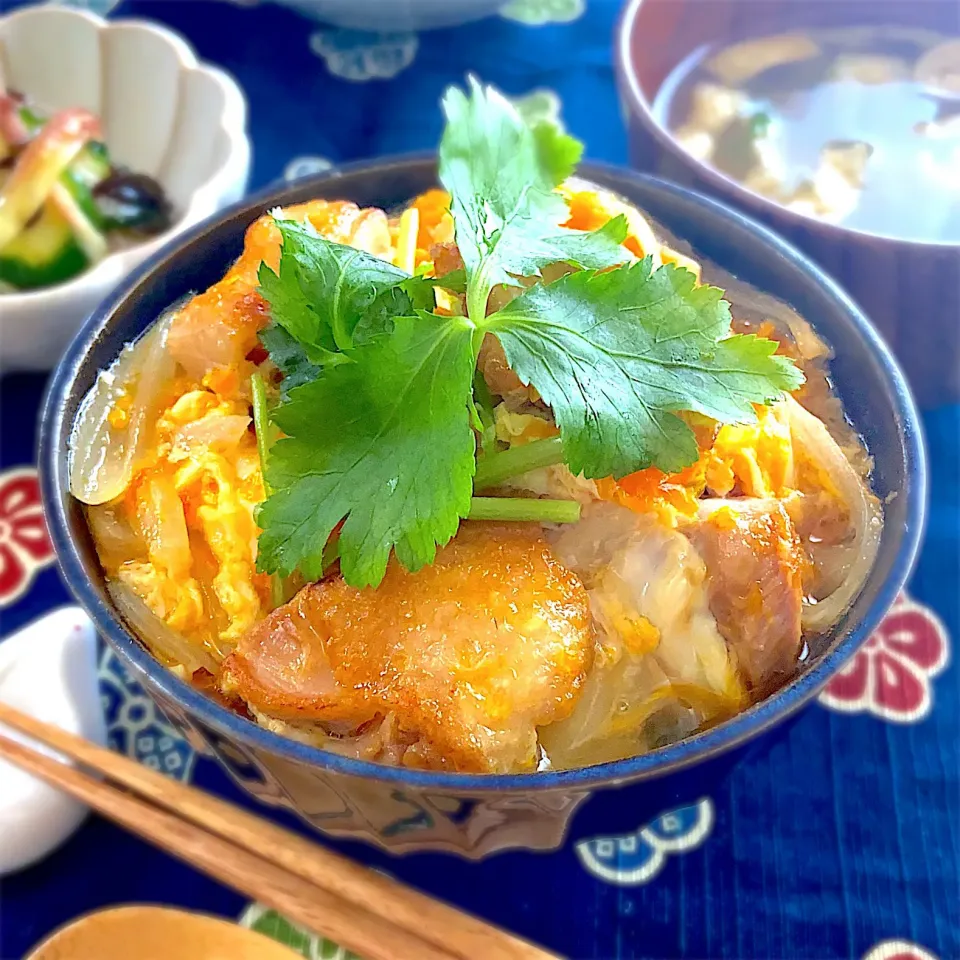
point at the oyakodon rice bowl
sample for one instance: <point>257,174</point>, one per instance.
<point>611,590</point>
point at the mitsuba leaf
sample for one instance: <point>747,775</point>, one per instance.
<point>382,443</point>
<point>418,292</point>
<point>297,315</point>
<point>329,296</point>
<point>501,176</point>
<point>455,282</point>
<point>378,455</point>
<point>617,354</point>
<point>289,357</point>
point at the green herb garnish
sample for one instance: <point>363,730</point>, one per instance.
<point>617,354</point>
<point>266,435</point>
<point>383,404</point>
<point>289,357</point>
<point>502,175</point>
<point>384,444</point>
<point>759,125</point>
<point>524,508</point>
<point>329,297</point>
<point>495,468</point>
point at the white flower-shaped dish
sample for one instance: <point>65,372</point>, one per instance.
<point>163,113</point>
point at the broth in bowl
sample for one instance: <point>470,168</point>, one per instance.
<point>855,126</point>
<point>497,482</point>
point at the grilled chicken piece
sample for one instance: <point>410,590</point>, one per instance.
<point>446,258</point>
<point>495,370</point>
<point>463,660</point>
<point>219,327</point>
<point>755,564</point>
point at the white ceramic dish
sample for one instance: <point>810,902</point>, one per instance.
<point>163,113</point>
<point>49,670</point>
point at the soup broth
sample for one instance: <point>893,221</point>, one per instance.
<point>858,126</point>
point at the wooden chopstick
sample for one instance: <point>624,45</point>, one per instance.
<point>401,905</point>
<point>304,904</point>
<point>366,912</point>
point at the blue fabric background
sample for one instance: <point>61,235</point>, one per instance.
<point>845,834</point>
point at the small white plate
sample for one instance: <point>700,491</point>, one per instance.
<point>49,670</point>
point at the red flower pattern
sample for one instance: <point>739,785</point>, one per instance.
<point>25,547</point>
<point>898,950</point>
<point>890,675</point>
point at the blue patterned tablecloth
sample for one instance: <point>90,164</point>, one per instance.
<point>843,841</point>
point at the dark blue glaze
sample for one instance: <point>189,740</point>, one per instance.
<point>475,815</point>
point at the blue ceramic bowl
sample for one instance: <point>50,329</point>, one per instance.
<point>909,289</point>
<point>406,810</point>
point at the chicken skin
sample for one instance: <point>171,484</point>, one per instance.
<point>219,327</point>
<point>461,661</point>
<point>755,564</point>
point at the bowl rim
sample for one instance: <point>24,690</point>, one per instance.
<point>231,726</point>
<point>235,108</point>
<point>640,106</point>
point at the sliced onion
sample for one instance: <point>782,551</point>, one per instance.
<point>163,525</point>
<point>215,430</point>
<point>103,456</point>
<point>165,644</point>
<point>865,515</point>
<point>371,232</point>
<point>116,539</point>
<point>39,166</point>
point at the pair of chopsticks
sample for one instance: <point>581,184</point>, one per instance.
<point>364,911</point>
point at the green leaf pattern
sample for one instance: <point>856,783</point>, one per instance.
<point>538,13</point>
<point>277,927</point>
<point>539,106</point>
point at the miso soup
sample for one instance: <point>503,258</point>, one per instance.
<point>858,126</point>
